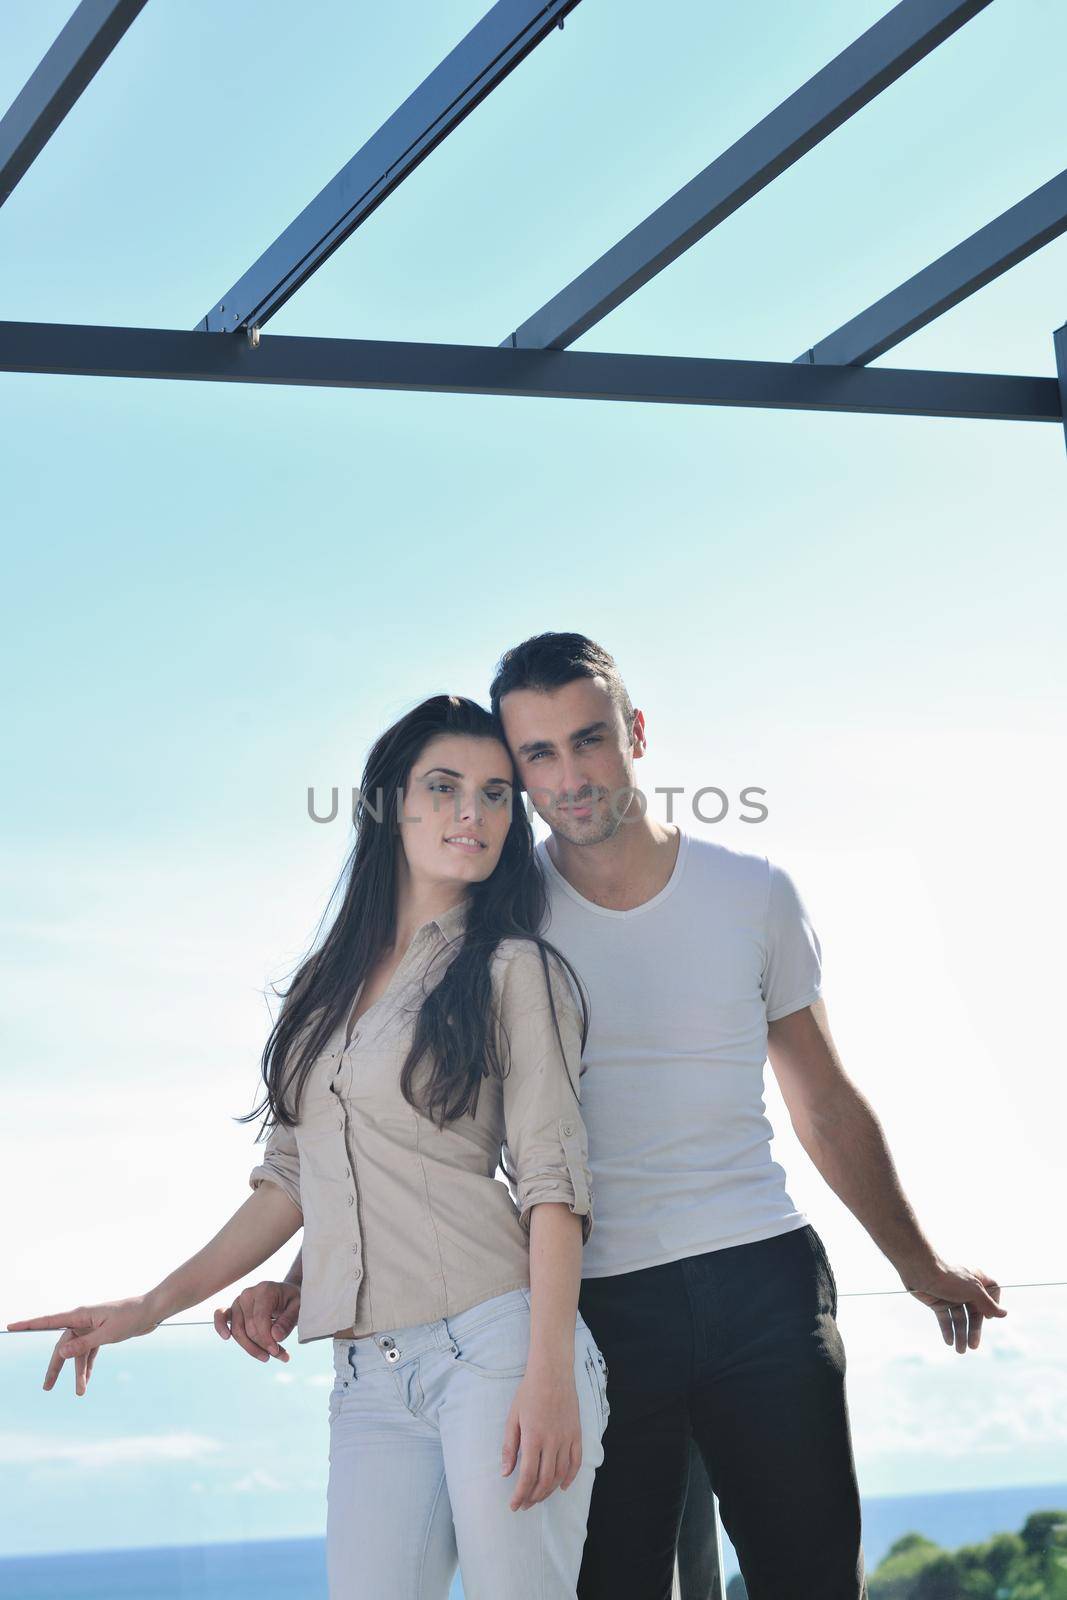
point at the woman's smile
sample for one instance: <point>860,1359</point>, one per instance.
<point>465,842</point>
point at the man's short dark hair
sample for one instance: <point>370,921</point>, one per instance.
<point>549,660</point>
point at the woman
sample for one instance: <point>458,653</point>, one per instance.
<point>432,1035</point>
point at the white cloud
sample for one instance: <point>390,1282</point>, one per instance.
<point>27,1449</point>
<point>1007,1400</point>
<point>255,1482</point>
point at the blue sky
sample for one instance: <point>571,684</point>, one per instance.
<point>219,595</point>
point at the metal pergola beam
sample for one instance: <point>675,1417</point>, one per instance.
<point>493,48</point>
<point>69,65</point>
<point>870,64</point>
<point>1001,244</point>
<point>60,348</point>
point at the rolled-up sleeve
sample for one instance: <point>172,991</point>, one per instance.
<point>546,1151</point>
<point>280,1164</point>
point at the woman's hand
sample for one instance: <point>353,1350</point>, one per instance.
<point>260,1318</point>
<point>85,1330</point>
<point>544,1418</point>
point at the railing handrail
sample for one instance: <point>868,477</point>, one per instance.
<point>844,1294</point>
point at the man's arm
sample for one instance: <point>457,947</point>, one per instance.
<point>841,1133</point>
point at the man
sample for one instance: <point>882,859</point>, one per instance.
<point>710,1295</point>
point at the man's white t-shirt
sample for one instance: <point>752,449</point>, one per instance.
<point>680,992</point>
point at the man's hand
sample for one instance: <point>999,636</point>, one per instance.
<point>260,1318</point>
<point>954,1294</point>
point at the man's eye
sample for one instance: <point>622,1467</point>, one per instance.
<point>590,738</point>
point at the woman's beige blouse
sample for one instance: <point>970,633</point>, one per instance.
<point>403,1222</point>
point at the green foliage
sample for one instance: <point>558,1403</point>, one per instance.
<point>904,1562</point>
<point>1031,1565</point>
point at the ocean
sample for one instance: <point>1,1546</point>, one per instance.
<point>295,1569</point>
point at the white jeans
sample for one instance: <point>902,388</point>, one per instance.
<point>416,1435</point>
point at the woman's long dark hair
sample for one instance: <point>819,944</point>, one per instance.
<point>457,1017</point>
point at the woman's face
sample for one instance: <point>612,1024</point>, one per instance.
<point>457,808</point>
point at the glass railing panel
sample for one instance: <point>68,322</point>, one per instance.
<point>188,1471</point>
<point>961,1459</point>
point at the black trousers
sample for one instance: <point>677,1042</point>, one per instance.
<point>738,1350</point>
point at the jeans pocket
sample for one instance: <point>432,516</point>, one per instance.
<point>337,1394</point>
<point>597,1369</point>
<point>499,1348</point>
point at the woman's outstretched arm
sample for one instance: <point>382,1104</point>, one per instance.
<point>260,1226</point>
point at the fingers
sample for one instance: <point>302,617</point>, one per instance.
<point>83,1366</point>
<point>241,1334</point>
<point>553,1466</point>
<point>944,1321</point>
<point>259,1321</point>
<point>953,1322</point>
<point>989,1300</point>
<point>510,1449</point>
<point>961,1321</point>
<point>284,1322</point>
<point>58,1319</point>
<point>73,1344</point>
<point>540,1474</point>
<point>252,1323</point>
<point>54,1368</point>
<point>986,1303</point>
<point>529,1469</point>
<point>574,1462</point>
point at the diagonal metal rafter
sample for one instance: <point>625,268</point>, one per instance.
<point>855,77</point>
<point>1000,245</point>
<point>58,348</point>
<point>493,48</point>
<point>68,66</point>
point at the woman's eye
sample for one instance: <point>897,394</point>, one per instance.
<point>440,786</point>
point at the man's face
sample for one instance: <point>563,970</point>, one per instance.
<point>574,757</point>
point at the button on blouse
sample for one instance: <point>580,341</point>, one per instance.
<point>405,1222</point>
